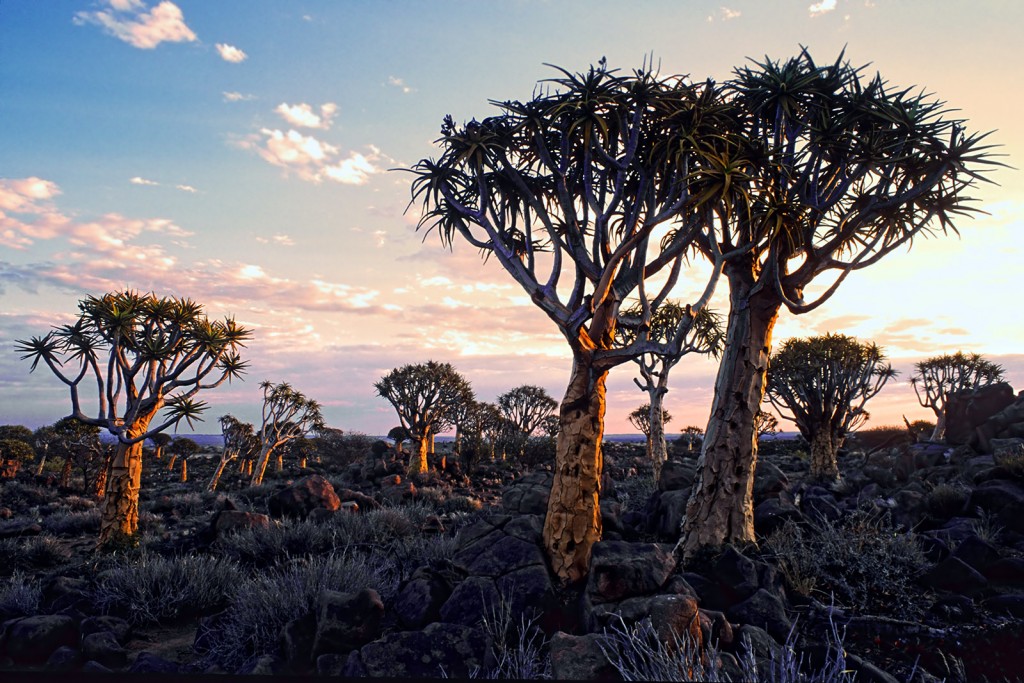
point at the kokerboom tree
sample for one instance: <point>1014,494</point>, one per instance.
<point>583,195</point>
<point>641,418</point>
<point>426,397</point>
<point>287,414</point>
<point>142,354</point>
<point>526,407</point>
<point>935,378</point>
<point>822,384</point>
<point>821,171</point>
<point>239,442</point>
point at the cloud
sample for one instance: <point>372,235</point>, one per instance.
<point>235,96</point>
<point>186,188</point>
<point>395,82</point>
<point>312,159</point>
<point>230,53</point>
<point>823,7</point>
<point>729,14</point>
<point>129,21</point>
<point>137,180</point>
<point>355,170</point>
<point>282,240</point>
<point>303,116</point>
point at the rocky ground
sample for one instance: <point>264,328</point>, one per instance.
<point>915,561</point>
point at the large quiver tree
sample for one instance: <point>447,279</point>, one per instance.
<point>935,378</point>
<point>820,171</point>
<point>821,384</point>
<point>581,195</point>
<point>287,415</point>
<point>145,355</point>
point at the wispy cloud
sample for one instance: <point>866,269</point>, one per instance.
<point>312,159</point>
<point>303,115</point>
<point>823,7</point>
<point>235,96</point>
<point>396,82</point>
<point>355,170</point>
<point>728,14</point>
<point>138,180</point>
<point>281,240</point>
<point>129,20</point>
<point>230,53</point>
<point>186,188</point>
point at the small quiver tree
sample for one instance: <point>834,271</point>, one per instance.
<point>287,415</point>
<point>145,355</point>
<point>935,378</point>
<point>13,452</point>
<point>821,384</point>
<point>525,407</point>
<point>184,448</point>
<point>160,442</point>
<point>765,424</point>
<point>582,194</point>
<point>641,420</point>
<point>239,442</point>
<point>425,396</point>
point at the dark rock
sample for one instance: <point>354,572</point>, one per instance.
<point>353,666</point>
<point>64,658</point>
<point>151,663</point>
<point>64,592</point>
<point>265,665</point>
<point>675,619</point>
<point>1009,603</point>
<point>716,629</point>
<point>1008,571</point>
<point>955,575</point>
<point>968,410</point>
<point>452,649</point>
<point>528,495</point>
<point>103,647</point>
<point>297,638</point>
<point>764,610</point>
<point>954,531</point>
<point>20,527</point>
<point>611,516</point>
<point>934,549</point>
<point>323,515</point>
<point>399,493</point>
<point>667,510</point>
<point>883,476</point>
<point>419,602</point>
<point>94,667</point>
<point>332,664</point>
<point>677,475</point>
<point>1002,497</point>
<point>31,640</point>
<point>580,658</point>
<point>304,496</point>
<point>121,629</point>
<point>866,671</point>
<point>363,501</point>
<point>756,640</point>
<point>821,508</point>
<point>346,621</point>
<point>772,514</point>
<point>769,481</point>
<point>977,553</point>
<point>471,600</point>
<point>620,570</point>
<point>529,589</point>
<point>736,575</point>
<point>499,554</point>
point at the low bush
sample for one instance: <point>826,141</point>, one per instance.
<point>74,523</point>
<point>1011,459</point>
<point>149,589</point>
<point>634,492</point>
<point>266,601</point>
<point>19,496</point>
<point>861,560</point>
<point>882,436</point>
<point>34,552</point>
<point>947,500</point>
<point>20,596</point>
<point>264,546</point>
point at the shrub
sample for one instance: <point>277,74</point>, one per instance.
<point>860,559</point>
<point>36,552</point>
<point>883,436</point>
<point>947,500</point>
<point>74,523</point>
<point>149,589</point>
<point>265,602</point>
<point>264,546</point>
<point>409,553</point>
<point>461,504</point>
<point>517,644</point>
<point>1011,459</point>
<point>20,596</point>
<point>17,495</point>
<point>635,492</point>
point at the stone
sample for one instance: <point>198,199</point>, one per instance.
<point>968,410</point>
<point>955,575</point>
<point>121,629</point>
<point>20,527</point>
<point>1008,571</point>
<point>64,658</point>
<point>346,621</point>
<point>439,650</point>
<point>764,610</point>
<point>772,514</point>
<point>528,495</point>
<point>31,640</point>
<point>419,602</point>
<point>866,671</point>
<point>736,575</point>
<point>716,629</point>
<point>580,658</point>
<point>528,590</point>
<point>1008,603</point>
<point>499,554</point>
<point>103,647</point>
<point>675,619</point>
<point>296,639</point>
<point>769,481</point>
<point>619,569</point>
<point>756,640</point>
<point>150,663</point>
<point>1001,497</point>
<point>471,600</point>
<point>304,496</point>
<point>677,475</point>
<point>332,664</point>
<point>363,501</point>
<point>94,667</point>
<point>977,553</point>
<point>265,665</point>
<point>668,508</point>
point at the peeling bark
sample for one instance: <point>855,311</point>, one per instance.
<point>216,475</point>
<point>418,463</point>
<point>184,469</point>
<point>824,463</point>
<point>65,473</point>
<point>99,487</point>
<point>121,501</point>
<point>721,505</point>
<point>573,522</point>
<point>260,467</point>
<point>657,450</point>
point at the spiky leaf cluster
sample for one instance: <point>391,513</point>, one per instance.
<point>426,396</point>
<point>935,378</point>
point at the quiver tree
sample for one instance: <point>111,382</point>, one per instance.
<point>641,419</point>
<point>705,336</point>
<point>399,435</point>
<point>425,396</point>
<point>692,437</point>
<point>582,194</point>
<point>78,442</point>
<point>287,415</point>
<point>821,384</point>
<point>818,172</point>
<point>239,442</point>
<point>765,424</point>
<point>184,448</point>
<point>160,442</point>
<point>13,452</point>
<point>525,407</point>
<point>934,379</point>
<point>145,355</point>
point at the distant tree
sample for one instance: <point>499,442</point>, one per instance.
<point>399,435</point>
<point>704,336</point>
<point>17,433</point>
<point>287,415</point>
<point>822,384</point>
<point>158,354</point>
<point>691,437</point>
<point>936,378</point>
<point>425,396</point>
<point>13,452</point>
<point>765,424</point>
<point>239,442</point>
<point>526,407</point>
<point>78,443</point>
<point>184,448</point>
<point>816,171</point>
<point>579,194</point>
<point>160,442</point>
<point>641,419</point>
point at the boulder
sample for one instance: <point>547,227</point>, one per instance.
<point>580,658</point>
<point>1008,603</point>
<point>976,552</point>
<point>304,496</point>
<point>228,521</point>
<point>296,641</point>
<point>677,475</point>
<point>675,619</point>
<point>420,600</point>
<point>20,527</point>
<point>621,570</point>
<point>764,610</point>
<point>1008,571</point>
<point>121,629</point>
<point>150,663</point>
<point>103,647</point>
<point>439,650</point>
<point>528,495</point>
<point>31,640</point>
<point>347,621</point>
<point>954,575</point>
<point>64,658</point>
<point>473,599</point>
<point>772,514</point>
<point>769,481</point>
<point>968,410</point>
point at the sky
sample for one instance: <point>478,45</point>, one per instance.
<point>239,153</point>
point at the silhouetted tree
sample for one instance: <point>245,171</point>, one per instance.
<point>287,414</point>
<point>239,442</point>
<point>935,378</point>
<point>526,407</point>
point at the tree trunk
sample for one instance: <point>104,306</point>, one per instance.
<point>939,433</point>
<point>158,452</point>
<point>121,502</point>
<point>432,443</point>
<point>302,462</point>
<point>824,464</point>
<point>418,463</point>
<point>99,486</point>
<point>656,447</point>
<point>184,469</point>
<point>280,461</point>
<point>220,470</point>
<point>251,464</point>
<point>39,467</point>
<point>721,505</point>
<point>65,473</point>
<point>260,467</point>
<point>573,522</point>
<point>170,463</point>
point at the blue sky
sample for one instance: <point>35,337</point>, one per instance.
<point>237,153</point>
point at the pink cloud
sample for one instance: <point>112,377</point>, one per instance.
<point>129,21</point>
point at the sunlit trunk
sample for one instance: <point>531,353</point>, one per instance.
<point>252,464</point>
<point>824,464</point>
<point>573,522</point>
<point>99,485</point>
<point>939,433</point>
<point>280,461</point>
<point>657,449</point>
<point>720,509</point>
<point>39,467</point>
<point>260,468</point>
<point>65,473</point>
<point>184,469</point>
<point>120,517</point>
<point>170,463</point>
<point>212,486</point>
<point>302,462</point>
<point>418,460</point>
